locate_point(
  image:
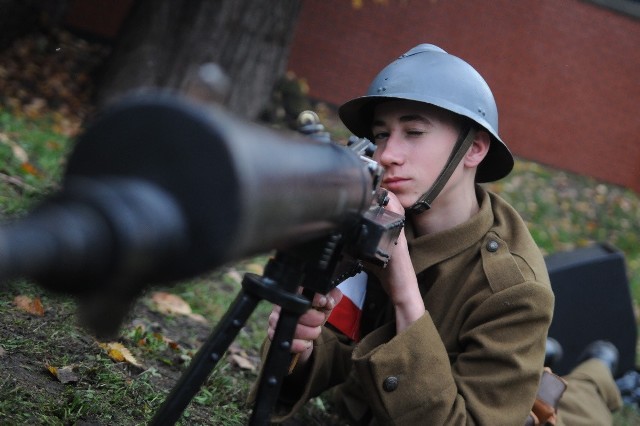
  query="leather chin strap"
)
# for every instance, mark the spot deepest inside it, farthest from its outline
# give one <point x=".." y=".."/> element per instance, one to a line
<point x="465" y="139"/>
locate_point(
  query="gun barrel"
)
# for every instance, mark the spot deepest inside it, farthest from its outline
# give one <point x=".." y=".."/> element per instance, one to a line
<point x="158" y="189"/>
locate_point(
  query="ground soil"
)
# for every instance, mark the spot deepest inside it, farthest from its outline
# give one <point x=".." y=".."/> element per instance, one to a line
<point x="29" y="343"/>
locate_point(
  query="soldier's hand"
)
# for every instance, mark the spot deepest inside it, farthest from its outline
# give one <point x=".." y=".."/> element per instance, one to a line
<point x="310" y="324"/>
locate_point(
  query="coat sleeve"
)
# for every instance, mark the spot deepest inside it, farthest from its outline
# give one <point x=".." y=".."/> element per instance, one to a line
<point x="410" y="377"/>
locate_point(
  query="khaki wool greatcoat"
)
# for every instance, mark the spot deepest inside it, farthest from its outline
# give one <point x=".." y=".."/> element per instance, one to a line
<point x="475" y="356"/>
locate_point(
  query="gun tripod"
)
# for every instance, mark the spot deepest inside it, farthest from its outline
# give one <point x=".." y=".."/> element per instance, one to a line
<point x="279" y="284"/>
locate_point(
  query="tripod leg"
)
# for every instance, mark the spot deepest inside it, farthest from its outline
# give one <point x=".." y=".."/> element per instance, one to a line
<point x="275" y="368"/>
<point x="206" y="359"/>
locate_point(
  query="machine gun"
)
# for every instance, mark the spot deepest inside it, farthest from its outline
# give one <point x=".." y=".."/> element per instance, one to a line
<point x="160" y="189"/>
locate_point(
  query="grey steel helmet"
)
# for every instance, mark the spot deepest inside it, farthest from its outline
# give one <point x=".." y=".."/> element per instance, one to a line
<point x="428" y="74"/>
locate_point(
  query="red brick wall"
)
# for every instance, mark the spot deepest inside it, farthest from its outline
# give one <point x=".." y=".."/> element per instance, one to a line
<point x="564" y="73"/>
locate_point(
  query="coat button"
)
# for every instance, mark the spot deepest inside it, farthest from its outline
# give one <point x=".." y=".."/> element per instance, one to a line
<point x="390" y="384"/>
<point x="492" y="246"/>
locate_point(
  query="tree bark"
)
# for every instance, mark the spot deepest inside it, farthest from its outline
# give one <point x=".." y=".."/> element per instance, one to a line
<point x="164" y="43"/>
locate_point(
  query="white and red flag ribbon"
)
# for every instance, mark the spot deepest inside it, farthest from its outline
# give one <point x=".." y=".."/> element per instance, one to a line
<point x="347" y="314"/>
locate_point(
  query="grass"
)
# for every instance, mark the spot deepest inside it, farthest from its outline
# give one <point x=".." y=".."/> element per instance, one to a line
<point x="31" y="397"/>
<point x="109" y="392"/>
<point x="563" y="212"/>
<point x="32" y="154"/>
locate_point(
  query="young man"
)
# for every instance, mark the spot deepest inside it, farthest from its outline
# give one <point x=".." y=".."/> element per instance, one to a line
<point x="453" y="331"/>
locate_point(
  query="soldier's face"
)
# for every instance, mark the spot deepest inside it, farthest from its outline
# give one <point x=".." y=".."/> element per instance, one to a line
<point x="414" y="141"/>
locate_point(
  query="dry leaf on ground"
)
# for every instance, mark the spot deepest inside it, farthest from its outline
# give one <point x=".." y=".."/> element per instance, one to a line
<point x="18" y="151"/>
<point x="242" y="362"/>
<point x="171" y="304"/>
<point x="64" y="374"/>
<point x="30" y="169"/>
<point x="167" y="303"/>
<point x="30" y="305"/>
<point x="119" y="353"/>
<point x="239" y="357"/>
<point x="171" y="343"/>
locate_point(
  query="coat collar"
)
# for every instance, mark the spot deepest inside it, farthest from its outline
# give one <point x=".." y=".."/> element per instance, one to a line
<point x="431" y="249"/>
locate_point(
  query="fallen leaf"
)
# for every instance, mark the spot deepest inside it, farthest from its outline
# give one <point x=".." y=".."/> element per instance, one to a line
<point x="239" y="357"/>
<point x="29" y="305"/>
<point x="64" y="374"/>
<point x="242" y="362"/>
<point x="2" y="352"/>
<point x="119" y="353"/>
<point x="168" y="303"/>
<point x="173" y="345"/>
<point x="171" y="304"/>
<point x="169" y="342"/>
<point x="30" y="169"/>
<point x="18" y="151"/>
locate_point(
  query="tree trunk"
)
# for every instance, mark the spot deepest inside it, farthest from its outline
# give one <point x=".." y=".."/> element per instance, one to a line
<point x="165" y="42"/>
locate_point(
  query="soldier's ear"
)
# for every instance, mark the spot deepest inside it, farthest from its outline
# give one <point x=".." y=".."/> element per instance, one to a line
<point x="478" y="149"/>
